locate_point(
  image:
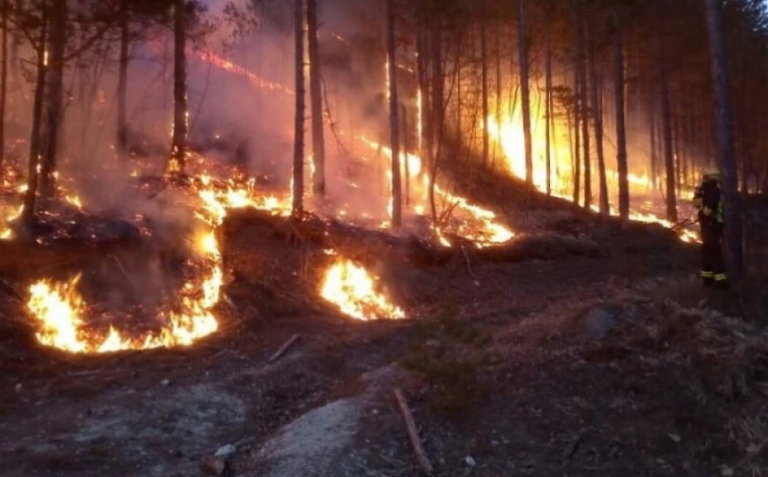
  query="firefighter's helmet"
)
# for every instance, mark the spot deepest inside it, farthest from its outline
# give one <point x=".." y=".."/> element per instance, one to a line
<point x="712" y="174"/>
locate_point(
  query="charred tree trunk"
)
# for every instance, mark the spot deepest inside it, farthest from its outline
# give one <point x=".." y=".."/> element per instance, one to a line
<point x="316" y="97"/>
<point x="668" y="140"/>
<point x="725" y="141"/>
<point x="597" y="117"/>
<point x="180" y="107"/>
<point x="394" y="109"/>
<point x="3" y="80"/>
<point x="548" y="114"/>
<point x="298" y="138"/>
<point x="30" y="198"/>
<point x="122" y="84"/>
<point x="54" y="98"/>
<point x="577" y="132"/>
<point x="621" y="131"/>
<point x="584" y="93"/>
<point x="654" y="147"/>
<point x="486" y="112"/>
<point x="497" y="149"/>
<point x="525" y="89"/>
<point x="406" y="165"/>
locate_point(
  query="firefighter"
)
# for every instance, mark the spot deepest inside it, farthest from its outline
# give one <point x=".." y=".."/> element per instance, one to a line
<point x="708" y="200"/>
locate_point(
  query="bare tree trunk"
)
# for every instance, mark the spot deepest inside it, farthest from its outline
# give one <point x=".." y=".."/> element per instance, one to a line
<point x="30" y="198"/>
<point x="486" y="112"/>
<point x="497" y="149"/>
<point x="298" y="138"/>
<point x="583" y="41"/>
<point x="597" y="117"/>
<point x="725" y="141"/>
<point x="577" y="131"/>
<point x="548" y="114"/>
<point x="669" y="156"/>
<point x="3" y="80"/>
<point x="122" y="84"/>
<point x="54" y="98"/>
<point x="654" y="147"/>
<point x="621" y="132"/>
<point x="180" y="106"/>
<point x="394" y="109"/>
<point x="437" y="113"/>
<point x="316" y="97"/>
<point x="526" y="94"/>
<point x="407" y="165"/>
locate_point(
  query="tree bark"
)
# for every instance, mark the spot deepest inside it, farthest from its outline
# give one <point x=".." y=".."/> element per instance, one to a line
<point x="298" y="138"/>
<point x="486" y="112"/>
<point x="30" y="198"/>
<point x="54" y="98"/>
<point x="180" y="107"/>
<point x="725" y="141"/>
<point x="583" y="41"/>
<point x="122" y="84"/>
<point x="3" y="80"/>
<point x="525" y="88"/>
<point x="669" y="156"/>
<point x="577" y="131"/>
<point x="394" y="109"/>
<point x="597" y="118"/>
<point x="621" y="131"/>
<point x="316" y="98"/>
<point x="548" y="114"/>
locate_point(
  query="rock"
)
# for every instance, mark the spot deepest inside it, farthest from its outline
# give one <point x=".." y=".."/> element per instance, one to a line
<point x="599" y="321"/>
<point x="726" y="471"/>
<point x="225" y="452"/>
<point x="470" y="461"/>
<point x="675" y="438"/>
<point x="165" y="382"/>
<point x="211" y="465"/>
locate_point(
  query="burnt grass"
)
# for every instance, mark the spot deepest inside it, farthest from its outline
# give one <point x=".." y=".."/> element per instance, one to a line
<point x="563" y="363"/>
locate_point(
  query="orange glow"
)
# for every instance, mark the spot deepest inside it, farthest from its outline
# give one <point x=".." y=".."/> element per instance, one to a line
<point x="353" y="290"/>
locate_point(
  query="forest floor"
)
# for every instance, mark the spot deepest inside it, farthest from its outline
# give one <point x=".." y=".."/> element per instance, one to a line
<point x="613" y="364"/>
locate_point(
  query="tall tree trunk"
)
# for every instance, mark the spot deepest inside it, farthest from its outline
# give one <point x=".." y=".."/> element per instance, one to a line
<point x="654" y="147"/>
<point x="3" y="80"/>
<point x="597" y="118"/>
<point x="407" y="163"/>
<point x="54" y="98"/>
<point x="394" y="109"/>
<point x="525" y="88"/>
<point x="583" y="42"/>
<point x="315" y="91"/>
<point x="437" y="126"/>
<point x="621" y="131"/>
<point x="548" y="113"/>
<point x="577" y="131"/>
<point x="298" y="138"/>
<point x="30" y="198"/>
<point x="486" y="112"/>
<point x="122" y="84"/>
<point x="497" y="149"/>
<point x="725" y="141"/>
<point x="180" y="106"/>
<point x="669" y="155"/>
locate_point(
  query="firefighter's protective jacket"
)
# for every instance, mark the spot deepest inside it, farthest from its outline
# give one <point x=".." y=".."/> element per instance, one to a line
<point x="708" y="200"/>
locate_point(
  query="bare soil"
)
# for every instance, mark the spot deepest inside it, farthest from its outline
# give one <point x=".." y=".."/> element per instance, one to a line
<point x="570" y="364"/>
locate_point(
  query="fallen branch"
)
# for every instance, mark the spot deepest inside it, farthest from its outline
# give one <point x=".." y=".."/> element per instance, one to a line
<point x="284" y="348"/>
<point x="413" y="434"/>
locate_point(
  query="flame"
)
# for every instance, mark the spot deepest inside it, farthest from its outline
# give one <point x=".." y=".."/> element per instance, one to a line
<point x="236" y="194"/>
<point x="352" y="289"/>
<point x="255" y="80"/>
<point x="60" y="310"/>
